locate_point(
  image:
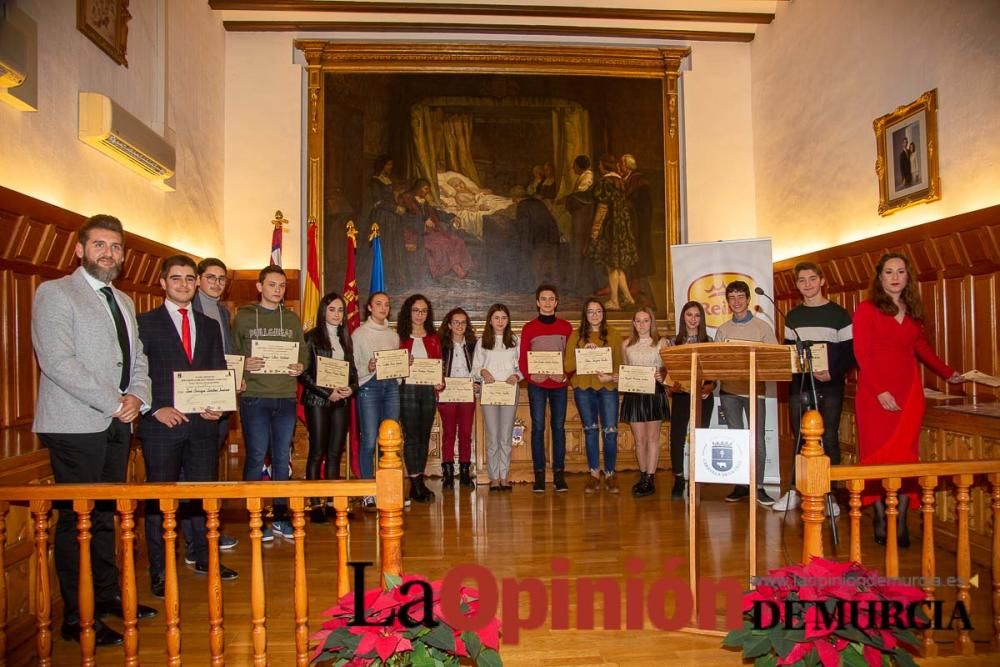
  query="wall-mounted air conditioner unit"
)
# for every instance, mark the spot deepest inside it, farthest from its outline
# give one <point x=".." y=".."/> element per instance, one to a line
<point x="124" y="138"/>
<point x="18" y="59"/>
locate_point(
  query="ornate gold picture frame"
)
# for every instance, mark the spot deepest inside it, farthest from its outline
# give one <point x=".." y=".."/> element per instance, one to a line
<point x="907" y="163"/>
<point x="105" y="23"/>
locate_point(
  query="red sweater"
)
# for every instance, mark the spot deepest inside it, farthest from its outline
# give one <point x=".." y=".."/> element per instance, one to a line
<point x="538" y="336"/>
<point x="431" y="343"/>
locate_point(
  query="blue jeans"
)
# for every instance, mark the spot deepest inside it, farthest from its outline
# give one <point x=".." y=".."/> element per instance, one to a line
<point x="537" y="397"/>
<point x="594" y="404"/>
<point x="377" y="400"/>
<point x="268" y="423"/>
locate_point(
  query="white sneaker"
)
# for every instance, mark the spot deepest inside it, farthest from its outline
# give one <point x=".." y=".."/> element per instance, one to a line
<point x="836" y="509"/>
<point x="789" y="501"/>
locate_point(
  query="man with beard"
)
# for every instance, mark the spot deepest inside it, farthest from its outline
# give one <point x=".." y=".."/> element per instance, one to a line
<point x="94" y="383"/>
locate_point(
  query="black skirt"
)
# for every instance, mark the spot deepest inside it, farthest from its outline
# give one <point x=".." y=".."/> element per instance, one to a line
<point x="645" y="407"/>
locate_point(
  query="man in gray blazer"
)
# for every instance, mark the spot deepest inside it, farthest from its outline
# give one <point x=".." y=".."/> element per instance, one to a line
<point x="93" y="385"/>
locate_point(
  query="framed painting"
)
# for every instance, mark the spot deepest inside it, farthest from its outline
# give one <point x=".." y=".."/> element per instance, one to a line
<point x="907" y="163"/>
<point x="488" y="170"/>
<point x="105" y="23"/>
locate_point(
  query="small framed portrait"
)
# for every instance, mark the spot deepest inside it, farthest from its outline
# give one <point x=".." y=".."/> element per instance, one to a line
<point x="105" y="23"/>
<point x="907" y="164"/>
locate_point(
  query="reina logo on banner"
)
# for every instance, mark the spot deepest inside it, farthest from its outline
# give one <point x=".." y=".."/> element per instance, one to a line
<point x="722" y="456"/>
<point x="710" y="291"/>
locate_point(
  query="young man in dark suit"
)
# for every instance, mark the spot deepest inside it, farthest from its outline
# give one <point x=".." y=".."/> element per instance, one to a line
<point x="178" y="339"/>
<point x="93" y="386"/>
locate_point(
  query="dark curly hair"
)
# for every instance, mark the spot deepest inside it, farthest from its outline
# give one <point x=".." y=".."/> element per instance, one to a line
<point x="444" y="332"/>
<point x="910" y="296"/>
<point x="404" y="323"/>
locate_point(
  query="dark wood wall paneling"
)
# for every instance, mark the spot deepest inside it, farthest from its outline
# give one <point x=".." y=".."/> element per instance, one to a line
<point x="957" y="263"/>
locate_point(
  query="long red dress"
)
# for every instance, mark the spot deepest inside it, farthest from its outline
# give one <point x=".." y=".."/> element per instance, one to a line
<point x="887" y="353"/>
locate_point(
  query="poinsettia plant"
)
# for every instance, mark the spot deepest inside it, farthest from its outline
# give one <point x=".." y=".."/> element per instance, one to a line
<point x="403" y="624"/>
<point x="831" y="614"/>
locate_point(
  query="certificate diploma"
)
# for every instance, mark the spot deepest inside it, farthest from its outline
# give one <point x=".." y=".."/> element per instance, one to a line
<point x="545" y="363"/>
<point x="235" y="363"/>
<point x="391" y="364"/>
<point x="820" y="358"/>
<point x="594" y="360"/>
<point x="637" y="379"/>
<point x="278" y="355"/>
<point x="982" y="378"/>
<point x="457" y="390"/>
<point x="332" y="373"/>
<point x="425" y="371"/>
<point x="498" y="393"/>
<point x="198" y="391"/>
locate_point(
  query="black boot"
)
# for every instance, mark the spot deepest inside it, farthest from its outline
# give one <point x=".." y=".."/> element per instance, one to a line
<point x="464" y="476"/>
<point x="878" y="521"/>
<point x="539" y="485"/>
<point x="902" y="530"/>
<point x="426" y="494"/>
<point x="559" y="481"/>
<point x="448" y="476"/>
<point x="678" y="491"/>
<point x="638" y="485"/>
<point x="647" y="488"/>
<point x="415" y="494"/>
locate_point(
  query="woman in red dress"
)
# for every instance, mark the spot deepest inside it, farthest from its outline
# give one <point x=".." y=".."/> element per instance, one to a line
<point x="888" y="340"/>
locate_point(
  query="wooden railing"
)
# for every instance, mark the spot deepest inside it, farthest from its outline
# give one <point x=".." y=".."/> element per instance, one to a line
<point x="814" y="476"/>
<point x="387" y="487"/>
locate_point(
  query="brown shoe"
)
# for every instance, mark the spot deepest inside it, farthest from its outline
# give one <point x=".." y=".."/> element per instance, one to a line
<point x="593" y="484"/>
<point x="611" y="483"/>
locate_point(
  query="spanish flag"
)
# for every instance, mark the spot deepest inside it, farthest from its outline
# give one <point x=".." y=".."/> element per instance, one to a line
<point x="310" y="298"/>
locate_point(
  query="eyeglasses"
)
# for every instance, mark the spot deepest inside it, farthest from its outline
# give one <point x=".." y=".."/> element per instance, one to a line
<point x="418" y="311"/>
<point x="213" y="280"/>
<point x="459" y="323"/>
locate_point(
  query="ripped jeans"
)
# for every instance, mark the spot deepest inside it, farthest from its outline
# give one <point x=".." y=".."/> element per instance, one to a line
<point x="599" y="405"/>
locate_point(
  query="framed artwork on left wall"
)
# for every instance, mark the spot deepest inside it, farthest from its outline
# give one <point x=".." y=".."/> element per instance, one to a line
<point x="105" y="23"/>
<point x="907" y="163"/>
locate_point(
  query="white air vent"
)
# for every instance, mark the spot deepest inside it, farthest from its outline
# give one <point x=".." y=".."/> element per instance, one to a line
<point x="124" y="138"/>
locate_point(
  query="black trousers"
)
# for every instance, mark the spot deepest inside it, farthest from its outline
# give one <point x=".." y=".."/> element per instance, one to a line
<point x="831" y="404"/>
<point x="680" y="415"/>
<point x="327" y="425"/>
<point x="192" y="521"/>
<point x="198" y="456"/>
<point x="87" y="458"/>
<point x="417" y="405"/>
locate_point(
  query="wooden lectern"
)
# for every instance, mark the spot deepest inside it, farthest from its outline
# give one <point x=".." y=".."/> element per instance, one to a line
<point x="755" y="362"/>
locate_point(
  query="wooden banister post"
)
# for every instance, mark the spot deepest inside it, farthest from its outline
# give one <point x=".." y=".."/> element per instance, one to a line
<point x="812" y="478"/>
<point x="963" y="559"/>
<point x="88" y="638"/>
<point x="343" y="581"/>
<point x="216" y="636"/>
<point x="300" y="590"/>
<point x="130" y="595"/>
<point x="854" y="488"/>
<point x="927" y="485"/>
<point x="171" y="596"/>
<point x="389" y="497"/>
<point x="258" y="602"/>
<point x="43" y="587"/>
<point x="892" y="486"/>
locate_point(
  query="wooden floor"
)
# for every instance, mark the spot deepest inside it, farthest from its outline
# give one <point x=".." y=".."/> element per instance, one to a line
<point x="515" y="535"/>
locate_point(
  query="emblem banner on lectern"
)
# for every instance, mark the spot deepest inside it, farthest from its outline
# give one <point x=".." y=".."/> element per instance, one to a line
<point x="722" y="456"/>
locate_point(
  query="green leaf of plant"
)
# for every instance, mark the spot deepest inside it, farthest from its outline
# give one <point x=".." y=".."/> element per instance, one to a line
<point x="908" y="637"/>
<point x="811" y="659"/>
<point x="472" y="643"/>
<point x="782" y="644"/>
<point x="489" y="658"/>
<point x="851" y="658"/>
<point x="392" y="581"/>
<point x="735" y="638"/>
<point x="903" y="658"/>
<point x="441" y="637"/>
<point x="419" y="657"/>
<point x="769" y="660"/>
<point x="756" y="647"/>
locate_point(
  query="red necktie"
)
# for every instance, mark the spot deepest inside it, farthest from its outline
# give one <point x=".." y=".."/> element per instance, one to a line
<point x="185" y="332"/>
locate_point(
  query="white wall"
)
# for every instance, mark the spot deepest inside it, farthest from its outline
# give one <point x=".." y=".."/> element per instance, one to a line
<point x="264" y="144"/>
<point x="823" y="71"/>
<point x="264" y="147"/>
<point x="41" y="155"/>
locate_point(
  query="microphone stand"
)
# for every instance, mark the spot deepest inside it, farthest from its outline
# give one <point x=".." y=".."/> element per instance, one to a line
<point x="805" y="355"/>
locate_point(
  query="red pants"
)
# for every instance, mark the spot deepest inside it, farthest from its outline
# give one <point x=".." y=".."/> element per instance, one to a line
<point x="456" y="417"/>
